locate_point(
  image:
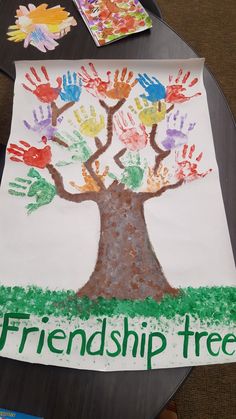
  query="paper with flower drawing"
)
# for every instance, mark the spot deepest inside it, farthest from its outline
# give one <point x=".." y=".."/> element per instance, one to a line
<point x="114" y="246"/>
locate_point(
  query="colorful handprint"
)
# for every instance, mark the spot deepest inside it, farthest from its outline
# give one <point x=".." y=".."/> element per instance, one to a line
<point x="31" y="156"/>
<point x="90" y="183"/>
<point x="157" y="179"/>
<point x="93" y="83"/>
<point x="154" y="89"/>
<point x="71" y="87"/>
<point x="122" y="87"/>
<point x="43" y="191"/>
<point x="134" y="138"/>
<point x="76" y="145"/>
<point x="133" y="173"/>
<point x="90" y="124"/>
<point x="177" y="131"/>
<point x="42" y="123"/>
<point x="149" y="114"/>
<point x="44" y="91"/>
<point x="187" y="164"/>
<point x="176" y="93"/>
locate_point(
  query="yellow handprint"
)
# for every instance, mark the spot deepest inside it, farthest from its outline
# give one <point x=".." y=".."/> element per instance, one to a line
<point x="89" y="124"/>
<point x="156" y="180"/>
<point x="90" y="183"/>
<point x="149" y="114"/>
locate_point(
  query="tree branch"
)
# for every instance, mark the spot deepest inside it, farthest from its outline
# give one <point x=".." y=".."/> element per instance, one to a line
<point x="118" y="156"/>
<point x="78" y="197"/>
<point x="110" y="110"/>
<point x="60" y="142"/>
<point x="56" y="112"/>
<point x="144" y="196"/>
<point x="162" y="154"/>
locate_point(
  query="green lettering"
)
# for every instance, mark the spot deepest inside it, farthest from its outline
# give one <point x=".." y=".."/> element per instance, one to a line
<point x="186" y="333"/>
<point x="93" y="336"/>
<point x="76" y="332"/>
<point x="118" y="345"/>
<point x="198" y="336"/>
<point x="213" y="337"/>
<point x="161" y="348"/>
<point x="229" y="338"/>
<point x="56" y="334"/>
<point x="26" y="332"/>
<point x="128" y="333"/>
<point x="6" y="327"/>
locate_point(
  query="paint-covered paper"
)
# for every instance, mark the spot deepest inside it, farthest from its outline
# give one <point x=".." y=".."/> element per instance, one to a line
<point x="108" y="21"/>
<point x="114" y="247"/>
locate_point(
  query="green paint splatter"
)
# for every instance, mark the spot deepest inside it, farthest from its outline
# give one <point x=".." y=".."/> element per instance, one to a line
<point x="41" y="189"/>
<point x="215" y="305"/>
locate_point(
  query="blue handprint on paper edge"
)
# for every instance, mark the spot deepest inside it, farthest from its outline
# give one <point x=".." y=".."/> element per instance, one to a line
<point x="154" y="89"/>
<point x="72" y="86"/>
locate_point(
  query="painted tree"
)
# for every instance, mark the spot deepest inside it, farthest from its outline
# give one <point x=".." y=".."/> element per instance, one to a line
<point x="126" y="265"/>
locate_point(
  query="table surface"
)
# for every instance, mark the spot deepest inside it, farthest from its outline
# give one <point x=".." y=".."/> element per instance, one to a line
<point x="55" y="392"/>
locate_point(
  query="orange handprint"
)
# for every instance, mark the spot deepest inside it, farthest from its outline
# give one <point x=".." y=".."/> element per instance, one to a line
<point x="43" y="90"/>
<point x="121" y="89"/>
<point x="187" y="169"/>
<point x="176" y="93"/>
<point x="31" y="156"/>
<point x="90" y="184"/>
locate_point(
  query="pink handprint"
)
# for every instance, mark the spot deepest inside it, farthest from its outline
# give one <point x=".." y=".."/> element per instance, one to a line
<point x="44" y="91"/>
<point x="31" y="156"/>
<point x="176" y="92"/>
<point x="93" y="83"/>
<point x="134" y="138"/>
<point x="187" y="165"/>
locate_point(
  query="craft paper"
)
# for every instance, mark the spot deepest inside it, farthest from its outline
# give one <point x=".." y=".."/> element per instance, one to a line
<point x="40" y="26"/>
<point x="114" y="246"/>
<point x="108" y="21"/>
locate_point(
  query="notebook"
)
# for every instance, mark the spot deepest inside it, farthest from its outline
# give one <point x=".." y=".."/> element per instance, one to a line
<point x="6" y="414"/>
<point x="109" y="20"/>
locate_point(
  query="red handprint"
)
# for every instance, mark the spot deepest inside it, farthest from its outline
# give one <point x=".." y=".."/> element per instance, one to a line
<point x="93" y="83"/>
<point x="32" y="156"/>
<point x="132" y="137"/>
<point x="175" y="93"/>
<point x="187" y="169"/>
<point x="44" y="91"/>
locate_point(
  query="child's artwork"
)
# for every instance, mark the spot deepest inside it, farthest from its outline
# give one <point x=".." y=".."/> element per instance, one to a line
<point x="109" y="20"/>
<point x="40" y="26"/>
<point x="6" y="414"/>
<point x="114" y="247"/>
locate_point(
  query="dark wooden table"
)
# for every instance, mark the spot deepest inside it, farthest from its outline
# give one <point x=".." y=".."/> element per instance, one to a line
<point x="60" y="393"/>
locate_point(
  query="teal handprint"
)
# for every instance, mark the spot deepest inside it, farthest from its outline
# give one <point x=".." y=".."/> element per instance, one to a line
<point x="72" y="85"/>
<point x="43" y="191"/>
<point x="133" y="173"/>
<point x="77" y="146"/>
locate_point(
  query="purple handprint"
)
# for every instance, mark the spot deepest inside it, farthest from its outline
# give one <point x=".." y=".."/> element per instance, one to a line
<point x="177" y="131"/>
<point x="42" y="123"/>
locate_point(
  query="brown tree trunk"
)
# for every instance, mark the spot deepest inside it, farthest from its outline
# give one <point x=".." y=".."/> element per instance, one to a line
<point x="126" y="266"/>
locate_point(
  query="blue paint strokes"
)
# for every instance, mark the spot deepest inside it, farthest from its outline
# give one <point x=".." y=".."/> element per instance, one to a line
<point x="154" y="89"/>
<point x="71" y="88"/>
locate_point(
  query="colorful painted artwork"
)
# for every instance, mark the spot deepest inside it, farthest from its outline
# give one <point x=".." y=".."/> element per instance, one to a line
<point x="109" y="20"/>
<point x="40" y="26"/>
<point x="112" y="220"/>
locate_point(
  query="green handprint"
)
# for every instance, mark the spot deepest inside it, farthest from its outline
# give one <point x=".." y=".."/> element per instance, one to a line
<point x="77" y="146"/>
<point x="133" y="173"/>
<point x="43" y="191"/>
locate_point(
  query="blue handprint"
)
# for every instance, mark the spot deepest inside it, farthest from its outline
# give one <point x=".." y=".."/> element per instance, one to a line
<point x="71" y="87"/>
<point x="154" y="89"/>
